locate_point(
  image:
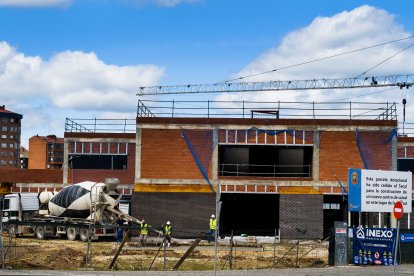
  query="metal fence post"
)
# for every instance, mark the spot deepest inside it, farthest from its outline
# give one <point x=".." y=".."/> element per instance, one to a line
<point x="172" y="110"/>
<point x="274" y="250"/>
<point x="165" y="258"/>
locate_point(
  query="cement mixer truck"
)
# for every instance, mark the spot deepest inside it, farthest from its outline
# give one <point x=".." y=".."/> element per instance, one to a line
<point x="87" y="209"/>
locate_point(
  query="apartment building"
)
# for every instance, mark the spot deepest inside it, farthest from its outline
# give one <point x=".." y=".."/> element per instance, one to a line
<point x="10" y="130"/>
<point x="45" y="152"/>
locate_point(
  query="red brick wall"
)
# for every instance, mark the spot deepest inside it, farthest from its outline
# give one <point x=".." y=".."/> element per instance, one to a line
<point x="164" y="154"/>
<point x="338" y="152"/>
<point x="402" y="149"/>
<point x="31" y="176"/>
<point x="376" y="149"/>
<point x="37" y="153"/>
<point x="125" y="176"/>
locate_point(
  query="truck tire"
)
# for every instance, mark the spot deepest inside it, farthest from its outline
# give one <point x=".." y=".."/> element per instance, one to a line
<point x="71" y="233"/>
<point x="40" y="232"/>
<point x="84" y="234"/>
<point x="12" y="230"/>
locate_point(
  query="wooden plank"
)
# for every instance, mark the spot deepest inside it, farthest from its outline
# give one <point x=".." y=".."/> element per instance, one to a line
<point x="124" y="240"/>
<point x="187" y="253"/>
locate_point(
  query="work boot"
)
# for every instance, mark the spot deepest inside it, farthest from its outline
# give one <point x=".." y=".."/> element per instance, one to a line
<point x="168" y="245"/>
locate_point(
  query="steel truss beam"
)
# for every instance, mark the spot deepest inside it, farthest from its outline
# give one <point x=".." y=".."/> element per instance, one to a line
<point x="402" y="81"/>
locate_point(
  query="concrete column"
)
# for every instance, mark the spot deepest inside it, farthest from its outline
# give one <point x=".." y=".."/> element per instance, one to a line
<point x="315" y="157"/>
<point x="214" y="158"/>
<point x="138" y="146"/>
<point x="65" y="166"/>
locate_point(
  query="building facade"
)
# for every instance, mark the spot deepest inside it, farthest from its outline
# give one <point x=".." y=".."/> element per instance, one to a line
<point x="10" y="130"/>
<point x="263" y="174"/>
<point x="273" y="174"/>
<point x="46" y="152"/>
<point x="24" y="158"/>
<point x="284" y="174"/>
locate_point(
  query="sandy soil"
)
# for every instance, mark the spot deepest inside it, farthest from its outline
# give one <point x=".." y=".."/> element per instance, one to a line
<point x="59" y="254"/>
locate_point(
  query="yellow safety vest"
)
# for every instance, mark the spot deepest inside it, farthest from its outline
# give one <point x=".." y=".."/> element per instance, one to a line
<point x="213" y="223"/>
<point x="167" y="230"/>
<point x="144" y="228"/>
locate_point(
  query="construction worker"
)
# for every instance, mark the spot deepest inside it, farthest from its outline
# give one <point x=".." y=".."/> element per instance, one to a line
<point x="167" y="233"/>
<point x="144" y="233"/>
<point x="120" y="230"/>
<point x="212" y="231"/>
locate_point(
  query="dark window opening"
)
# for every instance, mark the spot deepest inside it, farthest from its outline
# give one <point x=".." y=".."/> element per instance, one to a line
<point x="265" y="161"/>
<point x="98" y="162"/>
<point x="252" y="214"/>
<point x="405" y="165"/>
<point x="334" y="209"/>
<point x="6" y="204"/>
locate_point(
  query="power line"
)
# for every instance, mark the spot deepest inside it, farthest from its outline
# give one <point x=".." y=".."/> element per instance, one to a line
<point x="385" y="60"/>
<point x="315" y="60"/>
<point x="363" y="95"/>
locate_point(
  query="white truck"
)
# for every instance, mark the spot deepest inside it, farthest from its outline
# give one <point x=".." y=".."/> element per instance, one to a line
<point x="87" y="209"/>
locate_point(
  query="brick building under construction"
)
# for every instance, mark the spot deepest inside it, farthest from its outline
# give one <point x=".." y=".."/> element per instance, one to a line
<point x="274" y="173"/>
<point x="281" y="168"/>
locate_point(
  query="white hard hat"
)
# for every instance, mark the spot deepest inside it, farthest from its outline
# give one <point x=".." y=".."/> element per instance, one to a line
<point x="168" y="223"/>
<point x="213" y="216"/>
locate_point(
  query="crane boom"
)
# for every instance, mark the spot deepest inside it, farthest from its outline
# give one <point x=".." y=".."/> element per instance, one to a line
<point x="402" y="81"/>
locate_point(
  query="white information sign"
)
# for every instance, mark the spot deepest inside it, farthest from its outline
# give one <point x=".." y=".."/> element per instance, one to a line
<point x="379" y="190"/>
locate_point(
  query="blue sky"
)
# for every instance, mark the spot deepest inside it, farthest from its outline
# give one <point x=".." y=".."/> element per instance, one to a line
<point x="86" y="58"/>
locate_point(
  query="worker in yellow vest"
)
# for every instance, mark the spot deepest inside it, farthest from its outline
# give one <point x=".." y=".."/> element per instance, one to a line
<point x="212" y="231"/>
<point x="167" y="233"/>
<point x="144" y="233"/>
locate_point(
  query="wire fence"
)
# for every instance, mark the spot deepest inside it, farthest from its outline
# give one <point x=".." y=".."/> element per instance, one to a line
<point x="240" y="253"/>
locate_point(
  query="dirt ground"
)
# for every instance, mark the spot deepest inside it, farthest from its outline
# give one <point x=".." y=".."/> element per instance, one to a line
<point x="59" y="254"/>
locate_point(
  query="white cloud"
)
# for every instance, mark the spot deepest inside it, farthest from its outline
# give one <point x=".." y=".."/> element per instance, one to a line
<point x="327" y="36"/>
<point x="35" y="3"/>
<point x="69" y="84"/>
<point x="161" y="3"/>
<point x="74" y="80"/>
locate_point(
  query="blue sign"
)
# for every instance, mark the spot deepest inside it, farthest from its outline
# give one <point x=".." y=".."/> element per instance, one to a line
<point x="373" y="246"/>
<point x="407" y="237"/>
<point x="354" y="190"/>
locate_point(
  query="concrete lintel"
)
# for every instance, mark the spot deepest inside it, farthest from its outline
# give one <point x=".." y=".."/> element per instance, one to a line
<point x="405" y="144"/>
<point x="125" y="186"/>
<point x="102" y="139"/>
<point x="268" y="127"/>
<point x="280" y="183"/>
<point x="171" y="181"/>
<point x="40" y="185"/>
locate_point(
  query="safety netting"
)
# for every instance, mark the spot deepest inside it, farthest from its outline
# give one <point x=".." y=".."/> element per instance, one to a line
<point x="375" y="148"/>
<point x="200" y="144"/>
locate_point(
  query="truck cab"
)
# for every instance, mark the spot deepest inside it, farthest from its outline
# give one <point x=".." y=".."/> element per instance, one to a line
<point x="20" y="207"/>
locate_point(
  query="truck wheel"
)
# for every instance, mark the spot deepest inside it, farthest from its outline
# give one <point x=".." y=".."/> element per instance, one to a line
<point x="84" y="234"/>
<point x="12" y="230"/>
<point x="40" y="232"/>
<point x="71" y="233"/>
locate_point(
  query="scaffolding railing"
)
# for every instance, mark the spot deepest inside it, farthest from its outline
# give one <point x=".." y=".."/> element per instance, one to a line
<point x="240" y="170"/>
<point x="100" y="125"/>
<point x="275" y="110"/>
<point x="405" y="129"/>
